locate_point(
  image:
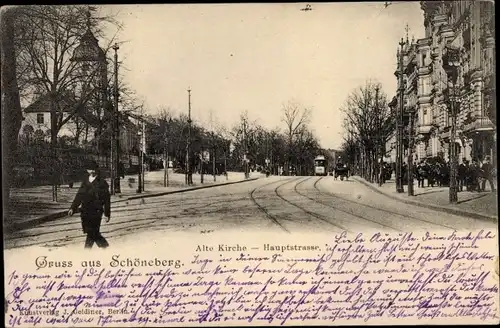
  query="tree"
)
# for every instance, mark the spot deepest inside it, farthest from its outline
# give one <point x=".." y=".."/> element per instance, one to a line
<point x="47" y="39"/>
<point x="306" y="149"/>
<point x="295" y="116"/>
<point x="369" y="124"/>
<point x="242" y="135"/>
<point x="277" y="149"/>
<point x="11" y="105"/>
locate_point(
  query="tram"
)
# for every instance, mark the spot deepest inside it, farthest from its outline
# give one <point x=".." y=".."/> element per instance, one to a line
<point x="320" y="165"/>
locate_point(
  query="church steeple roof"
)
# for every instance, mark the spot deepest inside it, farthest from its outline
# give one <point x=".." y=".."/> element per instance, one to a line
<point x="88" y="49"/>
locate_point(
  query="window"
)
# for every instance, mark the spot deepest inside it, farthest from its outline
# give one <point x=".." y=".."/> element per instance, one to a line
<point x="39" y="118"/>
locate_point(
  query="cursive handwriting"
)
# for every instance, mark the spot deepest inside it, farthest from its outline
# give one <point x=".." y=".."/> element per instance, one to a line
<point x="361" y="278"/>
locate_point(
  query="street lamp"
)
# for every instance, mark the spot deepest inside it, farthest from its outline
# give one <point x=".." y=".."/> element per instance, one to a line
<point x="139" y="157"/>
<point x="411" y="142"/>
<point x="214" y="151"/>
<point x="451" y="64"/>
<point x="189" y="175"/>
<point x="399" y="136"/>
<point x="165" y="177"/>
<point x="201" y="157"/>
<point x="116" y="131"/>
<point x="227" y="149"/>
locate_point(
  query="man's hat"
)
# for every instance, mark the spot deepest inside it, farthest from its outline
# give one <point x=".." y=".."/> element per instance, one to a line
<point x="91" y="165"/>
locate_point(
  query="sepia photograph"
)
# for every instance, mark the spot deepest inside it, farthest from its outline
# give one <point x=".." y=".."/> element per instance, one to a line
<point x="308" y="144"/>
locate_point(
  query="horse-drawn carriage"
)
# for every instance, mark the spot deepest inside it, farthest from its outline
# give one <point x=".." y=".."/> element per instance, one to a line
<point x="342" y="171"/>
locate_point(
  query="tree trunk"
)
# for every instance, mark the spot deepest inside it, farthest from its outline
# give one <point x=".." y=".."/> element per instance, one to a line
<point x="373" y="164"/>
<point x="11" y="105"/>
<point x="370" y="166"/>
<point x="53" y="145"/>
<point x="381" y="165"/>
<point x="86" y="132"/>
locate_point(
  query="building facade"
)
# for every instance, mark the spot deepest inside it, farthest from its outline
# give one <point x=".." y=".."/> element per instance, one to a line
<point x="36" y="120"/>
<point x="36" y="125"/>
<point x="391" y="144"/>
<point x="469" y="27"/>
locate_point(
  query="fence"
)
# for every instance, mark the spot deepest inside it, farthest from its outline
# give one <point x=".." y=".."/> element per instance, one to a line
<point x="35" y="164"/>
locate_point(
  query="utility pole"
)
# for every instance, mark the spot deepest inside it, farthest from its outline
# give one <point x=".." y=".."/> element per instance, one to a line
<point x="116" y="133"/>
<point x="168" y="155"/>
<point x="213" y="156"/>
<point x="139" y="164"/>
<point x="410" y="151"/>
<point x="113" y="151"/>
<point x="201" y="162"/>
<point x="399" y="136"/>
<point x="451" y="64"/>
<point x="165" y="172"/>
<point x="453" y="195"/>
<point x="143" y="154"/>
<point x="188" y="146"/>
<point x="246" y="148"/>
<point x="226" y="149"/>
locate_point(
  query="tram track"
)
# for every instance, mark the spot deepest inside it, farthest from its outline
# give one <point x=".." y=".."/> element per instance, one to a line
<point x="380" y="209"/>
<point x="274" y="219"/>
<point x="338" y="209"/>
<point x="128" y="219"/>
<point x="315" y="186"/>
<point x="75" y="239"/>
<point x="315" y="215"/>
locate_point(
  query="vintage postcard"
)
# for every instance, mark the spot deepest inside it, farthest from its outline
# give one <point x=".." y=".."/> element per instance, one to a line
<point x="244" y="164"/>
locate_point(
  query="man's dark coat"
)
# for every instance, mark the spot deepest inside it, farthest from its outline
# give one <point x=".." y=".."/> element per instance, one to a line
<point x="94" y="199"/>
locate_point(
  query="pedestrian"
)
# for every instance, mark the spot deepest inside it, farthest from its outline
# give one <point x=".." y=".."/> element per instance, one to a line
<point x="486" y="174"/>
<point x="462" y="174"/>
<point x="474" y="176"/>
<point x="405" y="173"/>
<point x="121" y="170"/>
<point x="421" y="174"/>
<point x="94" y="199"/>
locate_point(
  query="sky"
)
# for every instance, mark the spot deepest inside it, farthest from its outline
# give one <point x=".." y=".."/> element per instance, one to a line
<point x="257" y="57"/>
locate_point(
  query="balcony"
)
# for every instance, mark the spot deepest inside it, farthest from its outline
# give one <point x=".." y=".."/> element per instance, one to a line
<point x="489" y="93"/>
<point x="479" y="124"/>
<point x="425" y="128"/>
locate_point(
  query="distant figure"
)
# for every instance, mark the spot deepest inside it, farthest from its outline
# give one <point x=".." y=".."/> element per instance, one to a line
<point x="486" y="174"/>
<point x="462" y="175"/>
<point x="121" y="170"/>
<point x="421" y="172"/>
<point x="474" y="176"/>
<point x="94" y="198"/>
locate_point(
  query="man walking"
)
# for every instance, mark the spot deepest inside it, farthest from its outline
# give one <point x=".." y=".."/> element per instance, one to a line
<point x="421" y="174"/>
<point x="94" y="198"/>
<point x="486" y="173"/>
<point x="462" y="175"/>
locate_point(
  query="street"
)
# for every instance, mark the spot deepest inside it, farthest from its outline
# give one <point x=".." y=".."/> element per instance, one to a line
<point x="274" y="204"/>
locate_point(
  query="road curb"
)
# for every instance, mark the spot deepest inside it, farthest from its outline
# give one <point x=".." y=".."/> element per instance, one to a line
<point x="58" y="215"/>
<point x="439" y="208"/>
<point x="183" y="190"/>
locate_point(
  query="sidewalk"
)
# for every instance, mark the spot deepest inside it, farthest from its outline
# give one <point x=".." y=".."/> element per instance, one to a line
<point x="30" y="205"/>
<point x="470" y="204"/>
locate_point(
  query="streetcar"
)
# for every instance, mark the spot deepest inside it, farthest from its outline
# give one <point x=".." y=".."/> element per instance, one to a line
<point x="320" y="165"/>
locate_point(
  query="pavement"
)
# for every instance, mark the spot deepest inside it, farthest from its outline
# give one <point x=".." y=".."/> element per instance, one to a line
<point x="34" y="205"/>
<point x="481" y="205"/>
<point x="285" y="205"/>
